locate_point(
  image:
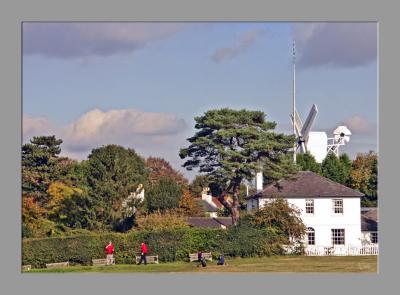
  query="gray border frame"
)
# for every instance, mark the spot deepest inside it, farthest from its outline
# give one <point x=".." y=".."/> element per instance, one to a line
<point x="206" y="10"/>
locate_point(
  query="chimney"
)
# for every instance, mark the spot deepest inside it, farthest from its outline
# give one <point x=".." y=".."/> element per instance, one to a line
<point x="259" y="181"/>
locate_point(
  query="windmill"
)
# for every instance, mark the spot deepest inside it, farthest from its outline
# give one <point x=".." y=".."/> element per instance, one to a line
<point x="302" y="132"/>
<point x="316" y="143"/>
<point x="341" y="135"/>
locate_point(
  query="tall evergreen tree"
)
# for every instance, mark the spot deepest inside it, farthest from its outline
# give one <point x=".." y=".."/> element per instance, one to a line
<point x="307" y="162"/>
<point x="230" y="146"/>
<point x="39" y="162"/>
<point x="332" y="169"/>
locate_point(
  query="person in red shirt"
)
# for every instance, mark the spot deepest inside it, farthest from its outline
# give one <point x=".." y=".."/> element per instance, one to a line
<point x="110" y="253"/>
<point x="143" y="250"/>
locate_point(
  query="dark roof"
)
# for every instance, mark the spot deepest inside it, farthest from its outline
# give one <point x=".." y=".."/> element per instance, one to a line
<point x="217" y="202"/>
<point x="306" y="184"/>
<point x="369" y="219"/>
<point x="209" y="222"/>
<point x="208" y="207"/>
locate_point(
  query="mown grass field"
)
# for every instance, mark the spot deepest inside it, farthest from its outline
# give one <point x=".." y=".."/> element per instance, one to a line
<point x="276" y="264"/>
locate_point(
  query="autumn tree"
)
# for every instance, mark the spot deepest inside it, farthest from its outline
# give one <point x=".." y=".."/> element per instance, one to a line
<point x="158" y="168"/>
<point x="229" y="146"/>
<point x="281" y="216"/>
<point x="188" y="206"/>
<point x="364" y="177"/>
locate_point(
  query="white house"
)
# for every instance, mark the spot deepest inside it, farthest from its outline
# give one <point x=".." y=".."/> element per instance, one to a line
<point x="369" y="226"/>
<point x="330" y="211"/>
<point x="211" y="204"/>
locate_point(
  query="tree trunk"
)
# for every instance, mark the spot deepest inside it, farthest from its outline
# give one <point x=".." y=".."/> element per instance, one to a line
<point x="235" y="205"/>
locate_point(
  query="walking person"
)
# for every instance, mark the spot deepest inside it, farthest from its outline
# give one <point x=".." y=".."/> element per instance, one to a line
<point x="143" y="250"/>
<point x="110" y="253"/>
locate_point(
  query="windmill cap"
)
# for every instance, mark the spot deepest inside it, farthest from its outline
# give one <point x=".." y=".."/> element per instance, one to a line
<point x="342" y="131"/>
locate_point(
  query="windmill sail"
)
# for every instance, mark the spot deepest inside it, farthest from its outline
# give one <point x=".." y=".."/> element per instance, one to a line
<point x="309" y="122"/>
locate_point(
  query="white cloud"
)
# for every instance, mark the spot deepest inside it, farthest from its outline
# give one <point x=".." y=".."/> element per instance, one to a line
<point x="335" y="44"/>
<point x="126" y="126"/>
<point x="360" y="124"/>
<point x="34" y="126"/>
<point x="246" y="40"/>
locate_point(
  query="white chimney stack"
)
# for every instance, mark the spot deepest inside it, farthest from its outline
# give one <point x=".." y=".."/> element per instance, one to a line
<point x="259" y="181"/>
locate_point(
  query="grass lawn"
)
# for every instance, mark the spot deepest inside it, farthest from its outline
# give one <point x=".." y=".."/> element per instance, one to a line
<point x="256" y="264"/>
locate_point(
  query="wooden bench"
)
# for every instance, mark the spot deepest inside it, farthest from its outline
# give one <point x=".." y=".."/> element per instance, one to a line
<point x="194" y="256"/>
<point x="27" y="267"/>
<point x="150" y="259"/>
<point x="101" y="262"/>
<point x="57" y="265"/>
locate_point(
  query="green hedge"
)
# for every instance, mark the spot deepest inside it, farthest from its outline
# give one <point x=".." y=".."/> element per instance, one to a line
<point x="169" y="245"/>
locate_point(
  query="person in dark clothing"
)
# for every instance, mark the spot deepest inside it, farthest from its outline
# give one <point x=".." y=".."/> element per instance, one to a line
<point x="201" y="259"/>
<point x="143" y="250"/>
<point x="221" y="260"/>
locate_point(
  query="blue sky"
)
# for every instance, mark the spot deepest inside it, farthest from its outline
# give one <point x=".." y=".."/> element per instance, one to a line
<point x="141" y="84"/>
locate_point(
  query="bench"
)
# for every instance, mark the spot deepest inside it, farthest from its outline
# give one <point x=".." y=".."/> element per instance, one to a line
<point x="101" y="262"/>
<point x="150" y="259"/>
<point x="27" y="267"/>
<point x="57" y="265"/>
<point x="194" y="256"/>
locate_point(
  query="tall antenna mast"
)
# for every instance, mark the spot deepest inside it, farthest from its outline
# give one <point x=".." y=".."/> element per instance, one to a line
<point x="294" y="99"/>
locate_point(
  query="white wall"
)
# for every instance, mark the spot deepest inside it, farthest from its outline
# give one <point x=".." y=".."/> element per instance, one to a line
<point x="323" y="219"/>
<point x="317" y="145"/>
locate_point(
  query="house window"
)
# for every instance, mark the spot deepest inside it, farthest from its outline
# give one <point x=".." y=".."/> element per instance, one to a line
<point x="374" y="237"/>
<point x="310" y="206"/>
<point x="310" y="236"/>
<point x="338" y="236"/>
<point x="337" y="206"/>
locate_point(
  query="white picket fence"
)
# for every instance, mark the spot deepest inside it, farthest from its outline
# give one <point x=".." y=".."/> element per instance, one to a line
<point x="338" y="250"/>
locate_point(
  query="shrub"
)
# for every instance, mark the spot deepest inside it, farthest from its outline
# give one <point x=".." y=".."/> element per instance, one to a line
<point x="158" y="220"/>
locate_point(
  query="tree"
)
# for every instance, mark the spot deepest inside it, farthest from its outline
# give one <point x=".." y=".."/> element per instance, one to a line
<point x="346" y="165"/>
<point x="364" y="177"/>
<point x="188" y="206"/>
<point x="59" y="192"/>
<point x="281" y="216"/>
<point x="161" y="168"/>
<point x="39" y="159"/>
<point x="163" y="195"/>
<point x="76" y="211"/>
<point x="112" y="173"/>
<point x="336" y="169"/>
<point x="230" y="147"/>
<point x="198" y="184"/>
<point x="307" y="162"/>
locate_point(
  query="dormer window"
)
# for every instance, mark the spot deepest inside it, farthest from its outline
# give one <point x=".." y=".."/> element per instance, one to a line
<point x="310" y="206"/>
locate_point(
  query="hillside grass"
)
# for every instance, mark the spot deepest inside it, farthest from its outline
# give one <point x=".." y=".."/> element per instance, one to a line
<point x="274" y="264"/>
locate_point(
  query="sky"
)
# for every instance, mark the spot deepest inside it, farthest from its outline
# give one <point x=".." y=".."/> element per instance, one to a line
<point x="140" y="85"/>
